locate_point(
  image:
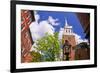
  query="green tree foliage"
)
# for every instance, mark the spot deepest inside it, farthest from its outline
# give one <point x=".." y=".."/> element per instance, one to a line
<point x="49" y="47"/>
<point x="36" y="56"/>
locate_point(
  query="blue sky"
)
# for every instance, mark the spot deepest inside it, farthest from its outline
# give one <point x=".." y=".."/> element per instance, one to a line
<point x="61" y="16"/>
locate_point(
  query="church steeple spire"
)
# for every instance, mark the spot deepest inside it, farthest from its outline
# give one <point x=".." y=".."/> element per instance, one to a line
<point x="66" y="23"/>
<point x="67" y="29"/>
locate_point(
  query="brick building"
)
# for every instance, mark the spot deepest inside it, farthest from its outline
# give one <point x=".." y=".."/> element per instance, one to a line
<point x="69" y="42"/>
<point x="27" y="17"/>
<point x="82" y="51"/>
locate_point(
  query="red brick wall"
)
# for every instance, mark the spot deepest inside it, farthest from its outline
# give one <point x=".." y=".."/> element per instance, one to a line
<point x="82" y="54"/>
<point x="26" y="19"/>
<point x="71" y="40"/>
<point x="26" y="39"/>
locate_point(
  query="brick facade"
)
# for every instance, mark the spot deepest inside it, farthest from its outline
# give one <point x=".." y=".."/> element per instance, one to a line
<point x="72" y="41"/>
<point x="69" y="42"/>
<point x="26" y="40"/>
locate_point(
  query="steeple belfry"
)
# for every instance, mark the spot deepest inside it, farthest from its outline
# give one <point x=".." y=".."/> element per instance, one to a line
<point x="67" y="29"/>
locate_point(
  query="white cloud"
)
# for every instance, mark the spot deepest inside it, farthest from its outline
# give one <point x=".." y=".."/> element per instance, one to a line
<point x="53" y="21"/>
<point x="34" y="30"/>
<point x="38" y="30"/>
<point x="79" y="39"/>
<point x="46" y="27"/>
<point x="61" y="33"/>
<point x="37" y="17"/>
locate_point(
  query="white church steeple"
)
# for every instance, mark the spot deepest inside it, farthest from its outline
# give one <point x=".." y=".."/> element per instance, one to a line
<point x="66" y="24"/>
<point x="67" y="29"/>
